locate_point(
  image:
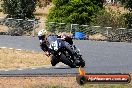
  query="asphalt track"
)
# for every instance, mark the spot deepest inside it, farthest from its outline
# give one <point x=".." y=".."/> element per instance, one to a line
<point x="100" y="56"/>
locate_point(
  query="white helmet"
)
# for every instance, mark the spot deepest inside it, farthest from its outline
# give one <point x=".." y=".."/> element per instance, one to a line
<point x="42" y="32"/>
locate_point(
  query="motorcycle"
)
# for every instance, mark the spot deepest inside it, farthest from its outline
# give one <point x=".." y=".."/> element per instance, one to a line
<point x="62" y="51"/>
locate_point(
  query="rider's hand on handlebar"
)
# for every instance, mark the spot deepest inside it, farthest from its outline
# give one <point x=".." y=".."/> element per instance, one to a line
<point x="47" y="53"/>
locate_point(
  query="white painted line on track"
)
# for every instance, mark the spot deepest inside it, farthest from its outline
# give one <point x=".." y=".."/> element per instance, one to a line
<point x="58" y="66"/>
<point x="3" y="47"/>
<point x="19" y="49"/>
<point x="10" y="48"/>
<point x="19" y="69"/>
<point x="6" y="70"/>
<point x="33" y="68"/>
<point x="48" y="67"/>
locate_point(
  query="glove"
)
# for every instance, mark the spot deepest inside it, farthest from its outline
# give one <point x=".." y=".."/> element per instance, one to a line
<point x="47" y="53"/>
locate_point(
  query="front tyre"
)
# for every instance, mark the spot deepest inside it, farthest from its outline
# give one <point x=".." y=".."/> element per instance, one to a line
<point x="67" y="61"/>
<point x="54" y="60"/>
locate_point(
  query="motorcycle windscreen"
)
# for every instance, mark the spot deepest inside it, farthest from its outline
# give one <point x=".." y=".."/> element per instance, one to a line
<point x="51" y="39"/>
<point x="54" y="42"/>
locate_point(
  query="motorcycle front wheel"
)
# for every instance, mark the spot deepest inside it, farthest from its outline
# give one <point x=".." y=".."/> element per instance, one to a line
<point x="67" y="61"/>
<point x="54" y="60"/>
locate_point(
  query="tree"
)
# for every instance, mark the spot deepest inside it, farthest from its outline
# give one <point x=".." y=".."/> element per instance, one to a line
<point x="74" y="11"/>
<point x="19" y="8"/>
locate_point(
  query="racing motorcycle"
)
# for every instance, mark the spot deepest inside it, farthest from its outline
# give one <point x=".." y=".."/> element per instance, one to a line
<point x="62" y="51"/>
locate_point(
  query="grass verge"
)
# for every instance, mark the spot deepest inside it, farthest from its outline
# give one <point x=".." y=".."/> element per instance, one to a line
<point x="52" y="82"/>
<point x="12" y="58"/>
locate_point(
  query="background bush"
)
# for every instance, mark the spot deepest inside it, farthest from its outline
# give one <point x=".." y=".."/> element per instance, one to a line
<point x="110" y="19"/>
<point x="128" y="19"/>
<point x="74" y="11"/>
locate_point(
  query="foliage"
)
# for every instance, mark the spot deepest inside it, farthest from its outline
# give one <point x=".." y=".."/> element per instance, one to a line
<point x="128" y="19"/>
<point x="128" y="16"/>
<point x="118" y="22"/>
<point x="127" y="4"/>
<point x="43" y="3"/>
<point x="19" y="8"/>
<point x="74" y="11"/>
<point x="110" y="18"/>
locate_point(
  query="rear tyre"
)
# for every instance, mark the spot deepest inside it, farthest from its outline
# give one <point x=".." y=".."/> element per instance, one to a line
<point x="67" y="61"/>
<point x="54" y="60"/>
<point x="80" y="63"/>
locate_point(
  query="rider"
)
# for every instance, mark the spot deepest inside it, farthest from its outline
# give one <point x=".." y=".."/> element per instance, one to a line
<point x="43" y="34"/>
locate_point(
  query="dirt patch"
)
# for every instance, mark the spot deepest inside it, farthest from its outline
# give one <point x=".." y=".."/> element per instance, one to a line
<point x="44" y="10"/>
<point x="2" y="14"/>
<point x="117" y="8"/>
<point x="3" y="28"/>
<point x="97" y="37"/>
<point x="38" y="82"/>
<point x="41" y="14"/>
<point x="12" y="58"/>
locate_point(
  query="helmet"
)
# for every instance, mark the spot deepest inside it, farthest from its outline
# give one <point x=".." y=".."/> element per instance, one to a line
<point x="42" y="32"/>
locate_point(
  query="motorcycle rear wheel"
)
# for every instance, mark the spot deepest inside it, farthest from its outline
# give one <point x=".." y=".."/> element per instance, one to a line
<point x="79" y="62"/>
<point x="82" y="63"/>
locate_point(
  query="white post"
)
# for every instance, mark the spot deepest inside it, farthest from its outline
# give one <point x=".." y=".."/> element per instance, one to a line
<point x="121" y="30"/>
<point x="34" y="29"/>
<point x="53" y="30"/>
<point x="71" y="30"/>
<point x="107" y="31"/>
<point x="62" y="29"/>
<point x="33" y="32"/>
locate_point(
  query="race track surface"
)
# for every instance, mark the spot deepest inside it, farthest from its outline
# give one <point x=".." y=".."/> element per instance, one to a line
<point x="100" y="56"/>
